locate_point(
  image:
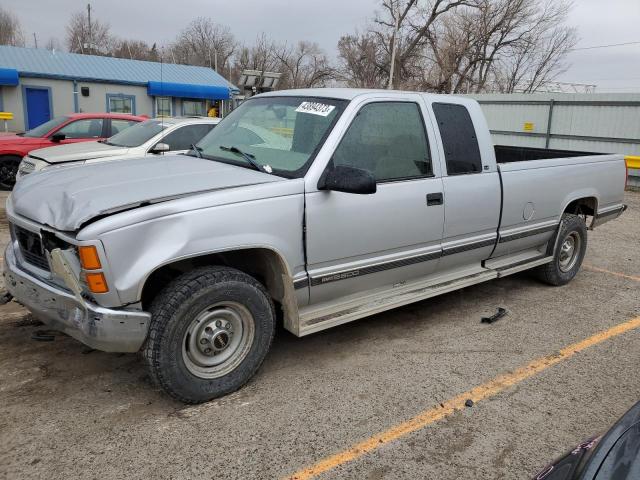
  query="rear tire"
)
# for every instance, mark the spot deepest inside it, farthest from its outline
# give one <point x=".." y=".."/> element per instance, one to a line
<point x="210" y="331"/>
<point x="8" y="170"/>
<point x="570" y="248"/>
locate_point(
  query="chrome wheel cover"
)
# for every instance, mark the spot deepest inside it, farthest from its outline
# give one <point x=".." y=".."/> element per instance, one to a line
<point x="218" y="340"/>
<point x="569" y="252"/>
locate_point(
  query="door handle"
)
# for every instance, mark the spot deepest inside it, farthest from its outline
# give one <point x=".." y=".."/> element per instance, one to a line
<point x="434" y="199"/>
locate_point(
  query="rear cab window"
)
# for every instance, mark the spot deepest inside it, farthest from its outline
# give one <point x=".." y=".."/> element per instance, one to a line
<point x="459" y="140"/>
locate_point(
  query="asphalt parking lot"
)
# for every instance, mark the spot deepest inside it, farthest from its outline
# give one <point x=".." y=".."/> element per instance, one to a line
<point x="375" y="399"/>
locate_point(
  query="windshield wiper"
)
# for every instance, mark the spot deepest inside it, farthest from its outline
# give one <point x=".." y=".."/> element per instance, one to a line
<point x="196" y="150"/>
<point x="248" y="157"/>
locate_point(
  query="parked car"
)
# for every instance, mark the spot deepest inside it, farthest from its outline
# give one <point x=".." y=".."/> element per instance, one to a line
<point x="67" y="129"/>
<point x="152" y="137"/>
<point x="612" y="456"/>
<point x="382" y="199"/>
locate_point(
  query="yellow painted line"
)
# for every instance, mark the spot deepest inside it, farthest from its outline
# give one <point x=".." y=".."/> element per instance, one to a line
<point x="482" y="392"/>
<point x="609" y="272"/>
<point x="633" y="162"/>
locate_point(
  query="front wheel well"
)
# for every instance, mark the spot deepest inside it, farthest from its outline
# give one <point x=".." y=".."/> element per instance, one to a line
<point x="263" y="264"/>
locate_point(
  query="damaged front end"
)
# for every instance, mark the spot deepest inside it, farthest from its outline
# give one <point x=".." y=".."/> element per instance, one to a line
<point x="43" y="272"/>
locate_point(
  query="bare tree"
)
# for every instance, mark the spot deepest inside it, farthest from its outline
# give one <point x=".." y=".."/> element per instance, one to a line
<point x="461" y="46"/>
<point x="262" y="55"/>
<point x="206" y="43"/>
<point x="539" y="56"/>
<point x="89" y="38"/>
<point x="10" y="29"/>
<point x="360" y="58"/>
<point x="414" y="21"/>
<point x="135" y="50"/>
<point x="304" y="66"/>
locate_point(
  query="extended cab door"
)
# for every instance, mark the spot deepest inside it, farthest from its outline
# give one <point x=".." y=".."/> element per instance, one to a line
<point x="357" y="243"/>
<point x="471" y="185"/>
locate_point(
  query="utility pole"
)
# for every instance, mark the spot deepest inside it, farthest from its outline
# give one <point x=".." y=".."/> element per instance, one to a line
<point x="89" y="20"/>
<point x="35" y="40"/>
<point x="394" y="47"/>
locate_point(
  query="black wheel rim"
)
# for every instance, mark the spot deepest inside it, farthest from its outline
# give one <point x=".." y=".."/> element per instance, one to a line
<point x="8" y="172"/>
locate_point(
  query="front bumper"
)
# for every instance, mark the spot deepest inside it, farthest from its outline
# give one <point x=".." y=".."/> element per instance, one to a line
<point x="100" y="328"/>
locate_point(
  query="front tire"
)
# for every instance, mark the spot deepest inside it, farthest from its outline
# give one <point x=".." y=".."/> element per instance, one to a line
<point x="570" y="249"/>
<point x="210" y="331"/>
<point x="8" y="170"/>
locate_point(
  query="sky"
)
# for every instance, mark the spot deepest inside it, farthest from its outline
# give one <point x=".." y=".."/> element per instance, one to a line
<point x="599" y="22"/>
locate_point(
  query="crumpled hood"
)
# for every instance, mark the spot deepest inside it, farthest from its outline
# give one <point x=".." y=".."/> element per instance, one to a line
<point x="74" y="152"/>
<point x="67" y="198"/>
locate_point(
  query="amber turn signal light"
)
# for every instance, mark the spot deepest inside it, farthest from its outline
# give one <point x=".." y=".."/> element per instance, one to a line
<point x="97" y="283"/>
<point x="89" y="258"/>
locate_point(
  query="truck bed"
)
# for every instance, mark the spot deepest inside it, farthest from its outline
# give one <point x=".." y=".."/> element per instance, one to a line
<point x="509" y="153"/>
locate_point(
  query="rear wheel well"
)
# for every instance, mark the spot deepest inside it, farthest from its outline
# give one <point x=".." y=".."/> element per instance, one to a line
<point x="587" y="206"/>
<point x="263" y="264"/>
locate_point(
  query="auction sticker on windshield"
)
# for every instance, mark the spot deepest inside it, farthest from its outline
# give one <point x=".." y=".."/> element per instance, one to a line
<point x="315" y="108"/>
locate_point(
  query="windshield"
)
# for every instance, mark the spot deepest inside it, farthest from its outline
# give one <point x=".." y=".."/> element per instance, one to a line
<point x="46" y="127"/>
<point x="137" y="135"/>
<point x="282" y="134"/>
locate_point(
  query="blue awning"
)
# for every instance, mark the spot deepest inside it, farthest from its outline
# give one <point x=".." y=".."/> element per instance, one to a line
<point x="185" y="90"/>
<point x="8" y="76"/>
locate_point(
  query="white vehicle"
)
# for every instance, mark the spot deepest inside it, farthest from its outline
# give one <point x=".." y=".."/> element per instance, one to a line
<point x="152" y="137"/>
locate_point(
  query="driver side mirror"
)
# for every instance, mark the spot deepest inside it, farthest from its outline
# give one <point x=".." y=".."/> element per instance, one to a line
<point x="58" y="137"/>
<point x="346" y="179"/>
<point x="160" y="148"/>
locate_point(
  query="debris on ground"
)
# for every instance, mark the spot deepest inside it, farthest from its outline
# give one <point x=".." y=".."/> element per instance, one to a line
<point x="43" y="336"/>
<point x="496" y="316"/>
<point x="469" y="403"/>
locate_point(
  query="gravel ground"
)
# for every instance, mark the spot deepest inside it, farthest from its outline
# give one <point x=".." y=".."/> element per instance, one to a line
<point x="69" y="412"/>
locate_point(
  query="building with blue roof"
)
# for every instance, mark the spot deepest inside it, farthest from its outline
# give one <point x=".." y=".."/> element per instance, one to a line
<point x="38" y="84"/>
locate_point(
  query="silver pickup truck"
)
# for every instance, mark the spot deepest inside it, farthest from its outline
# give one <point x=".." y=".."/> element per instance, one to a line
<point x="358" y="201"/>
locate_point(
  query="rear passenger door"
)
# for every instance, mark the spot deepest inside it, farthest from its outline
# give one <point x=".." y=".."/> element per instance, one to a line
<point x="472" y="190"/>
<point x="357" y="243"/>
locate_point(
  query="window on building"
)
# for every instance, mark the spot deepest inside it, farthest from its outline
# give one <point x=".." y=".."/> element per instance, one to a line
<point x="388" y="139"/>
<point x="184" y="137"/>
<point x="193" y="108"/>
<point x="459" y="140"/>
<point x="85" y="128"/>
<point x="121" y="103"/>
<point x="163" y="106"/>
<point x="118" y="125"/>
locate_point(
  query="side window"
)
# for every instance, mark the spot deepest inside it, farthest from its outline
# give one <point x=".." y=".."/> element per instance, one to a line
<point x="183" y="137"/>
<point x="119" y="125"/>
<point x="87" y="128"/>
<point x="389" y="140"/>
<point x="459" y="139"/>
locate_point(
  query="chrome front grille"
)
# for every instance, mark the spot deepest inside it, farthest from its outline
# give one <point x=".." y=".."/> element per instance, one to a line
<point x="31" y="248"/>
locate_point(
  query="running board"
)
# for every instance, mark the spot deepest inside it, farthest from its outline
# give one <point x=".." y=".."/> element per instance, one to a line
<point x="519" y="267"/>
<point x="319" y="318"/>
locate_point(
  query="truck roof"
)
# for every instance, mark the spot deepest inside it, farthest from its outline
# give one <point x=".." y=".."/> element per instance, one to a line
<point x="351" y="93"/>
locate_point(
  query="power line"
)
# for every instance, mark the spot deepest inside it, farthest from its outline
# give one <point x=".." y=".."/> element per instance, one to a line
<point x="605" y="46"/>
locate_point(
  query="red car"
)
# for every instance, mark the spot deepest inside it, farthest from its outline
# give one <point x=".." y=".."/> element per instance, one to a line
<point x="72" y="128"/>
